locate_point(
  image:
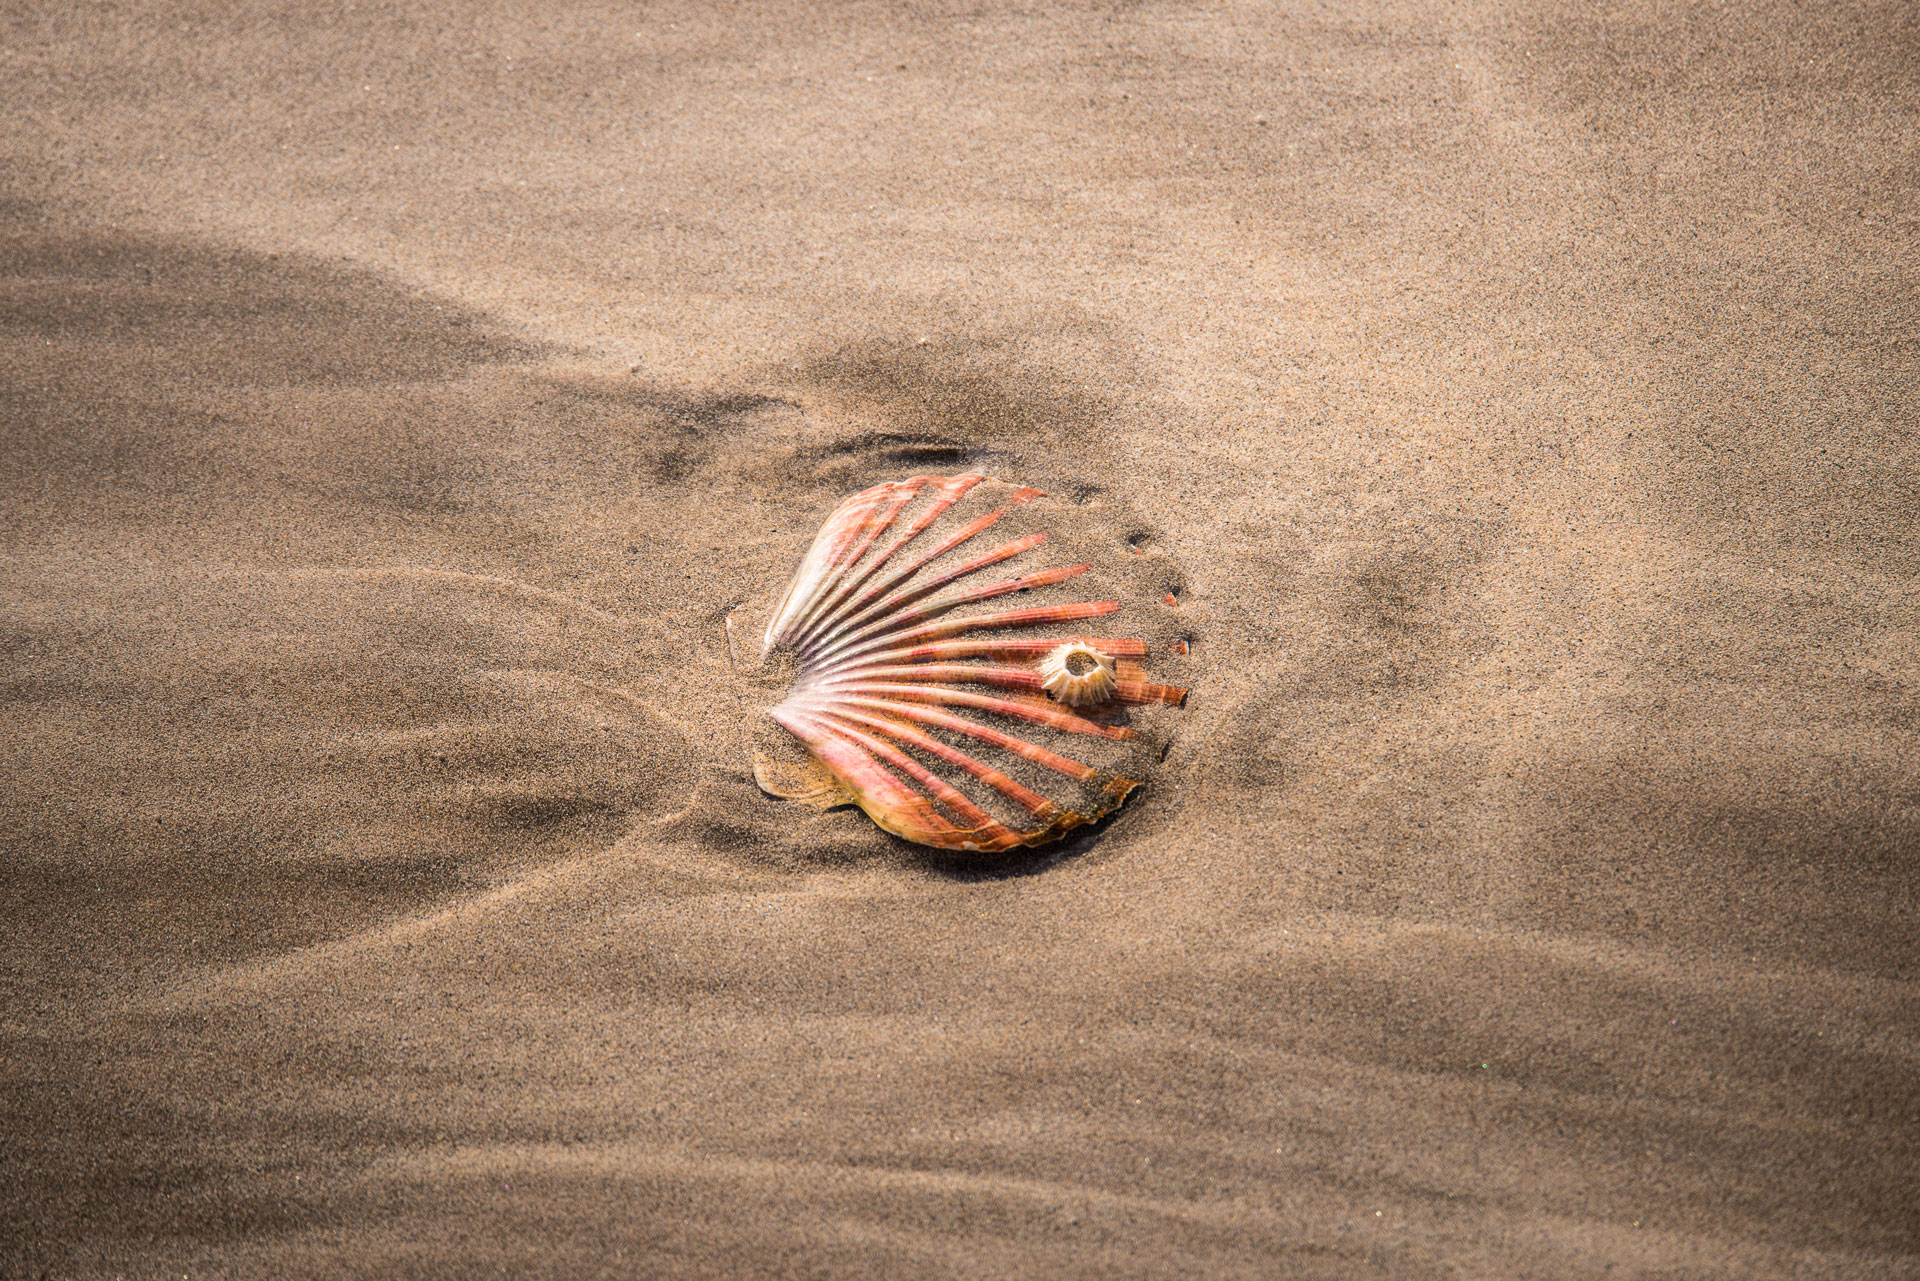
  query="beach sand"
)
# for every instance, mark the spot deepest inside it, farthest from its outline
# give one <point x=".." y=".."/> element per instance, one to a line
<point x="1521" y="401"/>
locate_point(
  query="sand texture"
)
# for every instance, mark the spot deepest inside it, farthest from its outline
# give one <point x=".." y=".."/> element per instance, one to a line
<point x="396" y="401"/>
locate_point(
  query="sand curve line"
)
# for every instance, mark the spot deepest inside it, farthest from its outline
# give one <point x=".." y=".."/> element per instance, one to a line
<point x="486" y="1160"/>
<point x="1853" y="1007"/>
<point x="513" y="585"/>
<point x="1353" y="1232"/>
<point x="254" y="974"/>
<point x="534" y="675"/>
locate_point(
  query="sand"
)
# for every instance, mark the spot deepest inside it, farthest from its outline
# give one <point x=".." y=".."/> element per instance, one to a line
<point x="398" y="399"/>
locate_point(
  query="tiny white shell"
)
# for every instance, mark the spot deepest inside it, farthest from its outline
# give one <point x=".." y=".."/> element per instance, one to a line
<point x="1078" y="675"/>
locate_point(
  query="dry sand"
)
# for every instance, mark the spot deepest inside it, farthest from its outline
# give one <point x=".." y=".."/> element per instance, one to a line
<point x="397" y="399"/>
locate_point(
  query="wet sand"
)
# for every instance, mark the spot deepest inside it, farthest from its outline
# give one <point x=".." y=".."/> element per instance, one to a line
<point x="1520" y="403"/>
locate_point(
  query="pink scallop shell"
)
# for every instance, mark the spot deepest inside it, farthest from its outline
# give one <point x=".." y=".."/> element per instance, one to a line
<point x="929" y="714"/>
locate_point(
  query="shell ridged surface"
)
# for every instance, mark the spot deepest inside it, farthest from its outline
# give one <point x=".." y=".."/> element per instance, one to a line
<point x="919" y="685"/>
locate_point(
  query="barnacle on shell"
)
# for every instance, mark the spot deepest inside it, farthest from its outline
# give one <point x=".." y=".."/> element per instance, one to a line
<point x="935" y="717"/>
<point x="1077" y="674"/>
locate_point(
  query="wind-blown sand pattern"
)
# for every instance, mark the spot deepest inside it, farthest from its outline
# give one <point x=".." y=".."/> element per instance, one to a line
<point x="403" y="407"/>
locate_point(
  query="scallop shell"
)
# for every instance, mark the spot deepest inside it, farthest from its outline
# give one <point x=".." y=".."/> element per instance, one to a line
<point x="922" y="703"/>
